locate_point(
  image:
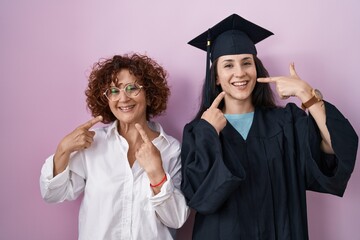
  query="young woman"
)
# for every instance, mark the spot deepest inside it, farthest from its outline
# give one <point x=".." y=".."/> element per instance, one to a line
<point x="129" y="170"/>
<point x="247" y="163"/>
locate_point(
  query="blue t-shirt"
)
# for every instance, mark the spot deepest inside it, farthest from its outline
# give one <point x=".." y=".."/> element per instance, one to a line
<point x="241" y="122"/>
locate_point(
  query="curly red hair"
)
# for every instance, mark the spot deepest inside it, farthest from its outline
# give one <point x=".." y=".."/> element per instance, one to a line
<point x="152" y="76"/>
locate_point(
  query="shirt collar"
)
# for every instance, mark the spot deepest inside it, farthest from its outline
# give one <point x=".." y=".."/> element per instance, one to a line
<point x="112" y="128"/>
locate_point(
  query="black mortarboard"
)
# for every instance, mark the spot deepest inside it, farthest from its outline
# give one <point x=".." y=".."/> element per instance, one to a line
<point x="233" y="35"/>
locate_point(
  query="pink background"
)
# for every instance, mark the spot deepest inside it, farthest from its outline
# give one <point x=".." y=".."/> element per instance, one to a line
<point x="48" y="47"/>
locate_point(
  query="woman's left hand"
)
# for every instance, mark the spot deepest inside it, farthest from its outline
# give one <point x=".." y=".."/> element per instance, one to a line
<point x="289" y="86"/>
<point x="148" y="156"/>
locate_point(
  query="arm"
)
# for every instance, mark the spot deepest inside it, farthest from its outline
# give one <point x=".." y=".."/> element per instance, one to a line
<point x="65" y="186"/>
<point x="318" y="112"/>
<point x="330" y="173"/>
<point x="293" y="86"/>
<point x="328" y="143"/>
<point x="57" y="181"/>
<point x="79" y="139"/>
<point x="207" y="181"/>
<point x="169" y="204"/>
<point x="157" y="162"/>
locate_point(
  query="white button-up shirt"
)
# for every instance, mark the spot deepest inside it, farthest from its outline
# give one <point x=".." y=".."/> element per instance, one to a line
<point x="118" y="201"/>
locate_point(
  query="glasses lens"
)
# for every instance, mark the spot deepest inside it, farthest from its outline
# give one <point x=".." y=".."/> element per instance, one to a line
<point x="113" y="93"/>
<point x="132" y="89"/>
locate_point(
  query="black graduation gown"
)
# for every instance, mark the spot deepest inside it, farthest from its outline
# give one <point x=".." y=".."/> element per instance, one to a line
<point x="256" y="189"/>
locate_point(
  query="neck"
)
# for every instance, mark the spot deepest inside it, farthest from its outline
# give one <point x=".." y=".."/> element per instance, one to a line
<point x="238" y="107"/>
<point x="131" y="134"/>
<point x="128" y="131"/>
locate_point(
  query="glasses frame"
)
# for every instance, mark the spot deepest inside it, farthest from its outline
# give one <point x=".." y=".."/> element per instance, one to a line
<point x="123" y="89"/>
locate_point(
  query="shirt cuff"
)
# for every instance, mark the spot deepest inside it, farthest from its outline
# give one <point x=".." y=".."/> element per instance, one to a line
<point x="165" y="192"/>
<point x="47" y="173"/>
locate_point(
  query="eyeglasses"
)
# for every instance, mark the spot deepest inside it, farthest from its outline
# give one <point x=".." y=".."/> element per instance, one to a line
<point x="131" y="90"/>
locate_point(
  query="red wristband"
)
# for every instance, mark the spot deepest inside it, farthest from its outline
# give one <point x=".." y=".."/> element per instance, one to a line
<point x="161" y="182"/>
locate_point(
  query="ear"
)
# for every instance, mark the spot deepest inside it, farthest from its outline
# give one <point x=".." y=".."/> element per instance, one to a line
<point x="217" y="81"/>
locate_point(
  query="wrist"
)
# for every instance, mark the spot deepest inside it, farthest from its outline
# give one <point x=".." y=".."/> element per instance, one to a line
<point x="305" y="93"/>
<point x="316" y="97"/>
<point x="156" y="175"/>
<point x="158" y="183"/>
<point x="62" y="149"/>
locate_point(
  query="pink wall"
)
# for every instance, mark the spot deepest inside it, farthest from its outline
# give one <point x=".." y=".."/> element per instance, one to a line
<point x="47" y="49"/>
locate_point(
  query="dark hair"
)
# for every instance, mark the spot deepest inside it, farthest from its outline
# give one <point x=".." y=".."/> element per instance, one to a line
<point x="152" y="76"/>
<point x="262" y="95"/>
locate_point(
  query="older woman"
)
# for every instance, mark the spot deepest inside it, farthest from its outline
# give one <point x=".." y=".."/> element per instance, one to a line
<point x="129" y="170"/>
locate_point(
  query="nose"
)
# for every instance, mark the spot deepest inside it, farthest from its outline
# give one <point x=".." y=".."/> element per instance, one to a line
<point x="122" y="96"/>
<point x="239" y="72"/>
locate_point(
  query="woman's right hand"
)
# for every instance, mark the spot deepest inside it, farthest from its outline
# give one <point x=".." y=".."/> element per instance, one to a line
<point x="79" y="139"/>
<point x="215" y="116"/>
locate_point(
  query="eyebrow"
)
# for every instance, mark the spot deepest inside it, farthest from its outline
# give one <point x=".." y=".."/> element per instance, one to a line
<point x="117" y="84"/>
<point x="232" y="60"/>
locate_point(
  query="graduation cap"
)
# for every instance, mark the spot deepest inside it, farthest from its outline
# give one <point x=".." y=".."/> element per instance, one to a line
<point x="233" y="35"/>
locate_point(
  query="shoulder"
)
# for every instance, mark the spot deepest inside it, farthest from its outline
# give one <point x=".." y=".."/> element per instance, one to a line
<point x="171" y="140"/>
<point x="198" y="124"/>
<point x="288" y="112"/>
<point x="104" y="131"/>
<point x="158" y="128"/>
<point x="199" y="129"/>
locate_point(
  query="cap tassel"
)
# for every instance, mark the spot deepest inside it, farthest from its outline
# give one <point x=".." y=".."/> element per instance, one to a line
<point x="207" y="74"/>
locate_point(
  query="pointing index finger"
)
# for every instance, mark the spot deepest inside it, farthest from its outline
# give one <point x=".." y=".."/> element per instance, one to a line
<point x="91" y="122"/>
<point x="266" y="80"/>
<point x="217" y="100"/>
<point x="142" y="133"/>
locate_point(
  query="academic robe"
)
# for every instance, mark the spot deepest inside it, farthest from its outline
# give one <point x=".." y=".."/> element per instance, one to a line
<point x="256" y="188"/>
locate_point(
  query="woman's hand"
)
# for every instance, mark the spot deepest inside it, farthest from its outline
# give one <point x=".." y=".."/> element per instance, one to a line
<point x="149" y="158"/>
<point x="290" y="86"/>
<point x="80" y="138"/>
<point x="215" y="116"/>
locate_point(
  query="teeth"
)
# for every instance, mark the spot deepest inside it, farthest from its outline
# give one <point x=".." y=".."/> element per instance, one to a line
<point x="239" y="83"/>
<point x="126" y="108"/>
